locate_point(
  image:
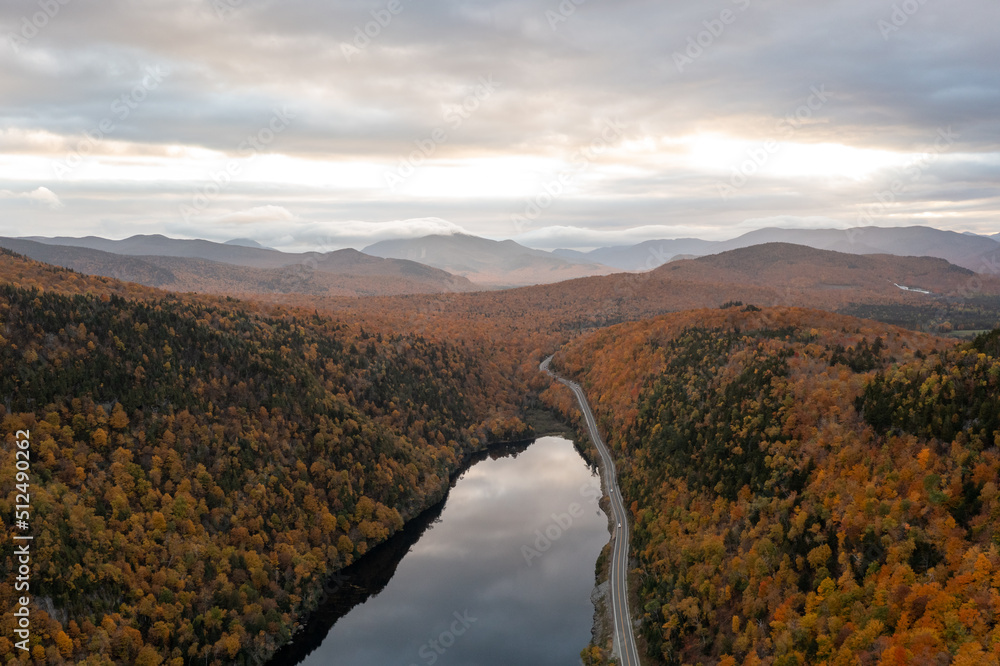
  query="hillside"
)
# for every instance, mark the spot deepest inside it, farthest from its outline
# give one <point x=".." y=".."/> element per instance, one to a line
<point x="642" y="256"/>
<point x="546" y="315"/>
<point x="488" y="262"/>
<point x="975" y="253"/>
<point x="259" y="448"/>
<point x="338" y="273"/>
<point x="806" y="487"/>
<point x="245" y="242"/>
<point x="157" y="245"/>
<point x="966" y="251"/>
<point x="200" y="465"/>
<point x="787" y="266"/>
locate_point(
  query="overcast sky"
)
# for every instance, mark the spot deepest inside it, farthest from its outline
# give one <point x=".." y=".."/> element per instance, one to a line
<point x="310" y="124"/>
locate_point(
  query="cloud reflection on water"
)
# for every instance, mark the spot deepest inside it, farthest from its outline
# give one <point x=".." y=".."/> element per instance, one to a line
<point x="471" y="560"/>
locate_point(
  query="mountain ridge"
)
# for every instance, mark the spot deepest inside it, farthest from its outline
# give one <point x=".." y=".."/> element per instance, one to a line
<point x="964" y="250"/>
<point x="488" y="262"/>
<point x="345" y="272"/>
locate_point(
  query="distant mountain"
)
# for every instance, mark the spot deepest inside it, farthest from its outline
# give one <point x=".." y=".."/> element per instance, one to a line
<point x="488" y="262"/>
<point x="644" y="256"/>
<point x="959" y="249"/>
<point x="245" y="242"/>
<point x="786" y="267"/>
<point x="767" y="275"/>
<point x="157" y="245"/>
<point x="967" y="250"/>
<point x="339" y="273"/>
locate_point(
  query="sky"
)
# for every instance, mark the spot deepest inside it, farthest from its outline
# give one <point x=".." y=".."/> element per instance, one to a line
<point x="316" y="125"/>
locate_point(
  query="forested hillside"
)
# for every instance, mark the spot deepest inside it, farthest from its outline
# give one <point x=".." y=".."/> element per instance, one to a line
<point x="545" y="316"/>
<point x="200" y="466"/>
<point x="806" y="487"/>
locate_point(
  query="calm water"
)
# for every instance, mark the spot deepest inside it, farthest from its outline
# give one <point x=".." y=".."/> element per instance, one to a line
<point x="501" y="574"/>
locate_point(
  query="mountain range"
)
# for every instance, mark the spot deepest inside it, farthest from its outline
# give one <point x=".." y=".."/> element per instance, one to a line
<point x="460" y="262"/>
<point x="132" y="389"/>
<point x="922" y="293"/>
<point x="238" y="270"/>
<point x="239" y="251"/>
<point x="786" y="267"/>
<point x="489" y="262"/>
<point x="978" y="253"/>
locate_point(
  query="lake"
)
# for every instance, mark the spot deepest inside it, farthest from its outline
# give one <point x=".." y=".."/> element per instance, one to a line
<point x="499" y="573"/>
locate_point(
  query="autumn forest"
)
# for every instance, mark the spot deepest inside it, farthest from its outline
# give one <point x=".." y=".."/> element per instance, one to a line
<point x="812" y="474"/>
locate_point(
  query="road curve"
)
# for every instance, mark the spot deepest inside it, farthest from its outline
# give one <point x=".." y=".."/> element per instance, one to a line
<point x="628" y="655"/>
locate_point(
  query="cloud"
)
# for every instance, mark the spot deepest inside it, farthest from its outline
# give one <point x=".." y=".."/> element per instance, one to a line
<point x="358" y="118"/>
<point x="607" y="59"/>
<point x="792" y="222"/>
<point x="258" y="214"/>
<point x="580" y="238"/>
<point x="326" y="236"/>
<point x="41" y="195"/>
<point x="277" y="227"/>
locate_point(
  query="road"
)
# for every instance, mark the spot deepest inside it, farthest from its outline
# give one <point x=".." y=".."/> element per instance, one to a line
<point x="628" y="655"/>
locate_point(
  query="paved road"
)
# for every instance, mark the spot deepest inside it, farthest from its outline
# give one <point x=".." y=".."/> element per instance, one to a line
<point x="624" y="637"/>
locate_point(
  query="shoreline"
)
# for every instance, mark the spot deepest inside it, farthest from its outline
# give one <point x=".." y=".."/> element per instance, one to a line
<point x="602" y="625"/>
<point x="372" y="571"/>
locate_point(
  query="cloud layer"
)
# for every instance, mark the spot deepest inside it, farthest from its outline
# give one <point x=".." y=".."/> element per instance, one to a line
<point x="507" y="118"/>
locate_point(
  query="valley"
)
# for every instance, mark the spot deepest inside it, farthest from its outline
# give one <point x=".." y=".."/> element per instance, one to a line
<point x="729" y="425"/>
<point x="480" y="333"/>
